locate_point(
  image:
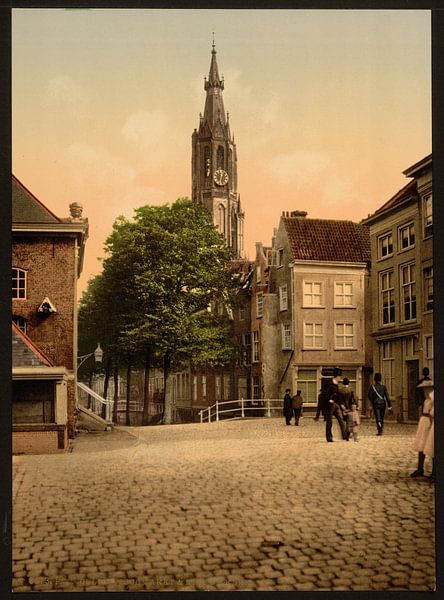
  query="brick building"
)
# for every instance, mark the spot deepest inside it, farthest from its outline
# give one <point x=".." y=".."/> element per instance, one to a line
<point x="319" y="281"/>
<point x="401" y="234"/>
<point x="47" y="258"/>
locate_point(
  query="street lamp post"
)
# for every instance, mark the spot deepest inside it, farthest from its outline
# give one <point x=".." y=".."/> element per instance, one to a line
<point x="98" y="355"/>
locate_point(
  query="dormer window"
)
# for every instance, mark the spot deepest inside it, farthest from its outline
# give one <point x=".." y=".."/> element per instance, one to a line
<point x="18" y="283"/>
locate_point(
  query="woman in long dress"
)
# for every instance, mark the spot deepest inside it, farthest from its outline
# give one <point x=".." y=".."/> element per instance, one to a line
<point x="424" y="442"/>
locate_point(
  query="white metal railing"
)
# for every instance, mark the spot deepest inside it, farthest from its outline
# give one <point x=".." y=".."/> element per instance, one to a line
<point x="241" y="409"/>
<point x="97" y="402"/>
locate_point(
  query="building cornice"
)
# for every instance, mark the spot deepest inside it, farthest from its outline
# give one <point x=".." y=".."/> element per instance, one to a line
<point x="39" y="373"/>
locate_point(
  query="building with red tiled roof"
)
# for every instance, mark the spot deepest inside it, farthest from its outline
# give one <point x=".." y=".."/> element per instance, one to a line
<point x="401" y="237"/>
<point x="317" y="303"/>
<point x="47" y="258"/>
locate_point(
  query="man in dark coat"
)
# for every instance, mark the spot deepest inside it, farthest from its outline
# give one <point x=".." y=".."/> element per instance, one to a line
<point x="333" y="407"/>
<point x="320" y="409"/>
<point x="379" y="398"/>
<point x="296" y="404"/>
<point x="288" y="410"/>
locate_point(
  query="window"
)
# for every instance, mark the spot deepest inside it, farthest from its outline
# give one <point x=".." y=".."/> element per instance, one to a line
<point x="428" y="216"/>
<point x="385" y="245"/>
<point x="204" y="386"/>
<point x="345" y="336"/>
<point x="344" y="294"/>
<point x="387" y="361"/>
<point x="258" y="273"/>
<point x="308" y="384"/>
<point x="280" y="257"/>
<point x="428" y="353"/>
<point x="18" y="283"/>
<point x="20" y="322"/>
<point x="408" y="292"/>
<point x="283" y="298"/>
<point x="406" y="236"/>
<point x="313" y="335"/>
<point x="286" y="336"/>
<point x="312" y="293"/>
<point x="220" y="158"/>
<point x="387" y="297"/>
<point x="241" y="313"/>
<point x="256" y="352"/>
<point x="194" y="389"/>
<point x="226" y="390"/>
<point x="33" y="401"/>
<point x="256" y="387"/>
<point x="218" y="387"/>
<point x="411" y="347"/>
<point x="259" y="304"/>
<point x="221" y="219"/>
<point x="428" y="288"/>
<point x="247" y="344"/>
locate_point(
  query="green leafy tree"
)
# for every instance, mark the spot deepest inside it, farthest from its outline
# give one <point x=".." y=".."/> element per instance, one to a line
<point x="164" y="269"/>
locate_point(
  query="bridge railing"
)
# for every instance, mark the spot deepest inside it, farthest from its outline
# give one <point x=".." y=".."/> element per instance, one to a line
<point x="241" y="409"/>
<point x="95" y="402"/>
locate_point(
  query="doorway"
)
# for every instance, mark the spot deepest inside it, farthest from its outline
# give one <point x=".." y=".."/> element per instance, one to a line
<point x="412" y="382"/>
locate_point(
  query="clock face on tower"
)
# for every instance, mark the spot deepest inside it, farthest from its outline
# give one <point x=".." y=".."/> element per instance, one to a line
<point x="220" y="177"/>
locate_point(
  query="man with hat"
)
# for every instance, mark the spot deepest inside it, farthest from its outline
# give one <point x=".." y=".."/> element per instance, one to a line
<point x="333" y="408"/>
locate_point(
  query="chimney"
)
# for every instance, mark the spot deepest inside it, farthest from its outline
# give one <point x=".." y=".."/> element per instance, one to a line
<point x="299" y="213"/>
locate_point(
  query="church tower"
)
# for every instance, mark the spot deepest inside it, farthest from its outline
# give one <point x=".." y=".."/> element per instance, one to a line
<point x="214" y="164"/>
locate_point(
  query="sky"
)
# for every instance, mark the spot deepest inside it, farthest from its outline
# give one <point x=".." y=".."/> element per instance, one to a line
<point x="327" y="107"/>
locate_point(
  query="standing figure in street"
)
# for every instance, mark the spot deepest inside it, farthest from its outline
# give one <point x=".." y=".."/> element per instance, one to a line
<point x="296" y="404"/>
<point x="333" y="408"/>
<point x="424" y="438"/>
<point x="420" y="394"/>
<point x="379" y="398"/>
<point x="354" y="422"/>
<point x="320" y="409"/>
<point x="347" y="399"/>
<point x="288" y="411"/>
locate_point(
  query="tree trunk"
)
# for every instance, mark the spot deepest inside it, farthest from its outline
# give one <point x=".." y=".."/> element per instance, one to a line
<point x="105" y="387"/>
<point x="116" y="392"/>
<point x="128" y="394"/>
<point x="167" y="399"/>
<point x="146" y="407"/>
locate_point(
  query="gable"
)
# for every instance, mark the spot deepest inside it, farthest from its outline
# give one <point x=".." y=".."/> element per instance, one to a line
<point x="25" y="353"/>
<point x="26" y="208"/>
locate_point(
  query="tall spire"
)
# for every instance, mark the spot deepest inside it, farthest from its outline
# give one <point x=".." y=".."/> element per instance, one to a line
<point x="214" y="106"/>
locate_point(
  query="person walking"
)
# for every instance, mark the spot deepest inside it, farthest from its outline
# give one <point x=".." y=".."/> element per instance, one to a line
<point x="424" y="438"/>
<point x="296" y="404"/>
<point x="333" y="408"/>
<point x="379" y="398"/>
<point x="320" y="409"/>
<point x="288" y="410"/>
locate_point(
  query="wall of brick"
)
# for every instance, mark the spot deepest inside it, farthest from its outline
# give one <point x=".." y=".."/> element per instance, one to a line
<point x="50" y="266"/>
<point x="37" y="442"/>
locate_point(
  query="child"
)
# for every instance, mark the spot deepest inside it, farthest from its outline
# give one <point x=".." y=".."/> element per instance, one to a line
<point x="424" y="438"/>
<point x="353" y="422"/>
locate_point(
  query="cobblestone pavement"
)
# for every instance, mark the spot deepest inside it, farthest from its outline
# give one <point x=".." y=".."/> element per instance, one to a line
<point x="240" y="505"/>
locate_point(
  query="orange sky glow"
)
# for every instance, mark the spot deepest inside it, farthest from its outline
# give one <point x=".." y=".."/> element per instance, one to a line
<point x="327" y="107"/>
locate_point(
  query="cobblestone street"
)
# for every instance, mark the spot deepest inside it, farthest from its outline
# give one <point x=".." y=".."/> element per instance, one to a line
<point x="240" y="505"/>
